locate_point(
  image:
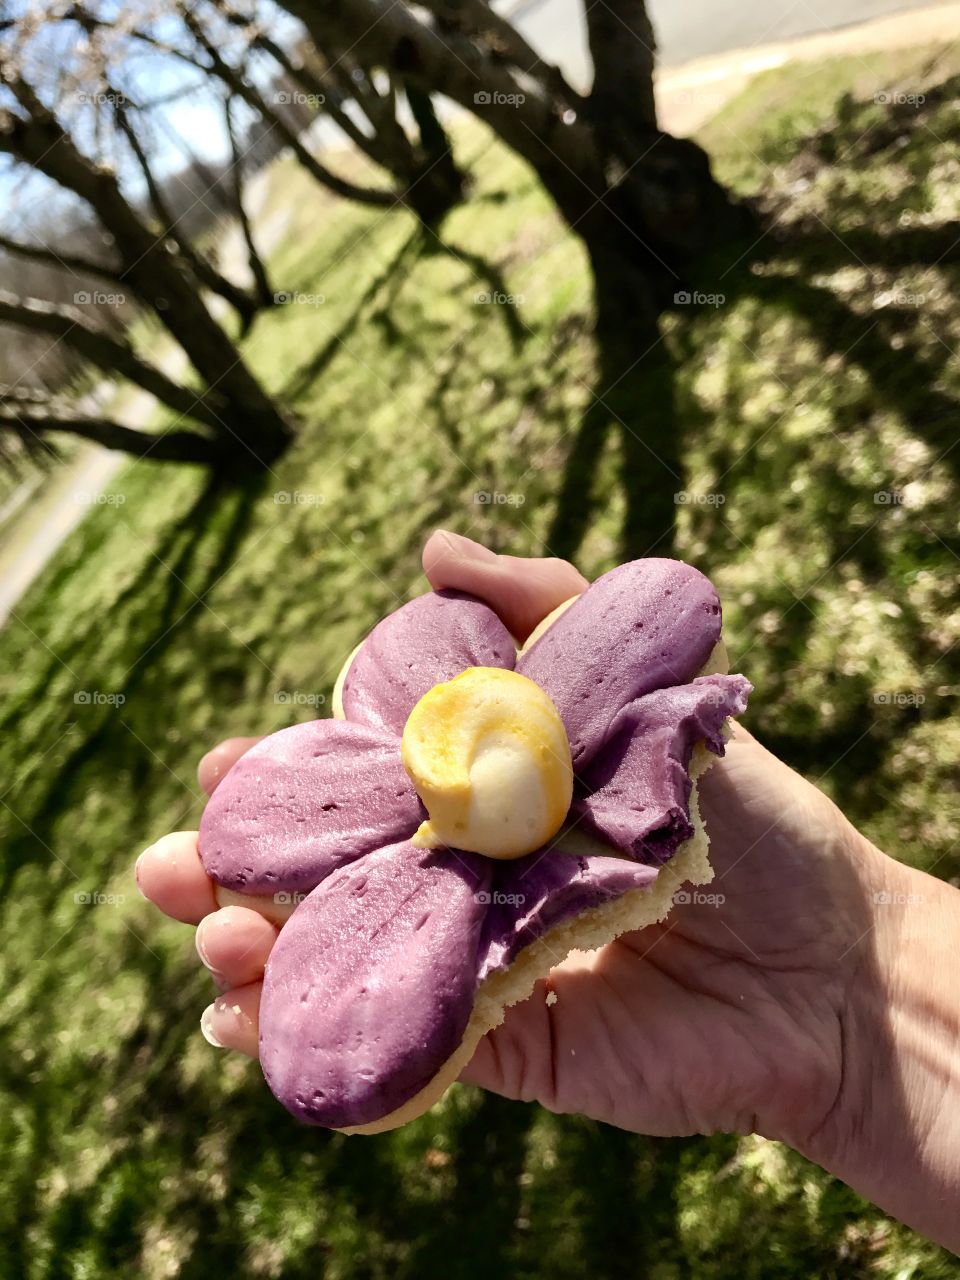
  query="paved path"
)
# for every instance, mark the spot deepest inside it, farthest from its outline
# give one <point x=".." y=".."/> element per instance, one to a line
<point x="688" y="29"/>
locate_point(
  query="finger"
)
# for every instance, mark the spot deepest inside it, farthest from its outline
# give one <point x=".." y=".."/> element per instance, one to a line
<point x="222" y="758"/>
<point x="484" y="1069"/>
<point x="172" y="877"/>
<point x="232" y="1021"/>
<point x="511" y="1058"/>
<point x="234" y="944"/>
<point x="520" y="590"/>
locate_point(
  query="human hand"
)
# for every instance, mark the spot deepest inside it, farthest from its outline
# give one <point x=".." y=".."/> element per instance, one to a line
<point x="730" y="1015"/>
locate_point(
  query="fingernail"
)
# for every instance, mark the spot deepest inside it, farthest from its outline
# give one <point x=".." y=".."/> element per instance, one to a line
<point x="466" y="548"/>
<point x="136" y="869"/>
<point x="206" y="1027"/>
<point x="215" y="974"/>
<point x="201" y="952"/>
<point x="215" y="769"/>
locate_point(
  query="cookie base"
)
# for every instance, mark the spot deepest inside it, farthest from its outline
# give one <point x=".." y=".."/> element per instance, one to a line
<point x="586" y="932"/>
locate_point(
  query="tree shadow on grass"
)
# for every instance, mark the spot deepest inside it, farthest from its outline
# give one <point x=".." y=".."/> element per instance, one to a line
<point x="146" y="619"/>
<point x="633" y="402"/>
<point x="901" y="375"/>
<point x="378" y="303"/>
<point x="497" y="291"/>
<point x="390" y="280"/>
<point x="634" y="394"/>
<point x="472" y="1234"/>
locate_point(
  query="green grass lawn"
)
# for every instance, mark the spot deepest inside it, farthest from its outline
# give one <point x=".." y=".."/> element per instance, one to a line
<point x="816" y="412"/>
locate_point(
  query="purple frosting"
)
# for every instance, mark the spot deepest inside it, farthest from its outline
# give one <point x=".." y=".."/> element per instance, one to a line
<point x="643" y="626"/>
<point x="635" y="793"/>
<point x="370" y="985"/>
<point x="303" y="802"/>
<point x="372" y="980"/>
<point x="530" y="896"/>
<point x="426" y="642"/>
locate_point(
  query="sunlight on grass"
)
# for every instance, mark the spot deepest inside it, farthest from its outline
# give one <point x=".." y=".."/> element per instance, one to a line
<point x="132" y="1148"/>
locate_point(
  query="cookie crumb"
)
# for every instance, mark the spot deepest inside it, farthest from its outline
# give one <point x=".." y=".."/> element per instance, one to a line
<point x="551" y="997"/>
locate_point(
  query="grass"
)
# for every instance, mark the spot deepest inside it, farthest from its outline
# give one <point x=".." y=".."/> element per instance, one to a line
<point x="131" y="1147"/>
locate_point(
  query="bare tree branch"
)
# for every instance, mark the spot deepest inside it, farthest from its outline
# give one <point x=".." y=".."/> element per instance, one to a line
<point x="505" y="40"/>
<point x="66" y="261"/>
<point x="257" y="266"/>
<point x="158" y="276"/>
<point x="244" y="305"/>
<point x="242" y="88"/>
<point x="112" y="355"/>
<point x="173" y="446"/>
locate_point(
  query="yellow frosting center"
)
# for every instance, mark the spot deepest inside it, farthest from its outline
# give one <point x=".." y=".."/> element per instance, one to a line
<point x="489" y="757"/>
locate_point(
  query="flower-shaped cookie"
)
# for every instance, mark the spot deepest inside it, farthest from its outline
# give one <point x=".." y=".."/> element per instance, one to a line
<point x="373" y="981"/>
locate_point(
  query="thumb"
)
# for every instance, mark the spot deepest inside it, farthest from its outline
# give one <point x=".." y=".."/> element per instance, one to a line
<point x="520" y="590"/>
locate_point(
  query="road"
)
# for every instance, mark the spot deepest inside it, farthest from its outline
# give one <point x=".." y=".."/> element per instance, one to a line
<point x="688" y="29"/>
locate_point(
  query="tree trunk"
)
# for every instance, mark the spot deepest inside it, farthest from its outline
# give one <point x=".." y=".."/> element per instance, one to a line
<point x="650" y="195"/>
<point x="436" y="184"/>
<point x="622" y="49"/>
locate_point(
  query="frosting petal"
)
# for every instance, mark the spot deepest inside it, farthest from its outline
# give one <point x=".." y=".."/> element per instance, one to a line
<point x="636" y="789"/>
<point x="428" y="641"/>
<point x="643" y="626"/>
<point x="532" y="895"/>
<point x="303" y="802"/>
<point x="371" y="983"/>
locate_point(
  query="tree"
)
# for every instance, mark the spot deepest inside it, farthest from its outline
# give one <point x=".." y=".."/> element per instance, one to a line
<point x="222" y="41"/>
<point x="230" y="408"/>
<point x="429" y="180"/>
<point x="641" y="200"/>
<point x="644" y="203"/>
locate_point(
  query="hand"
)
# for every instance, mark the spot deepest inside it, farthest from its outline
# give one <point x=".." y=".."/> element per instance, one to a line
<point x="731" y="1015"/>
